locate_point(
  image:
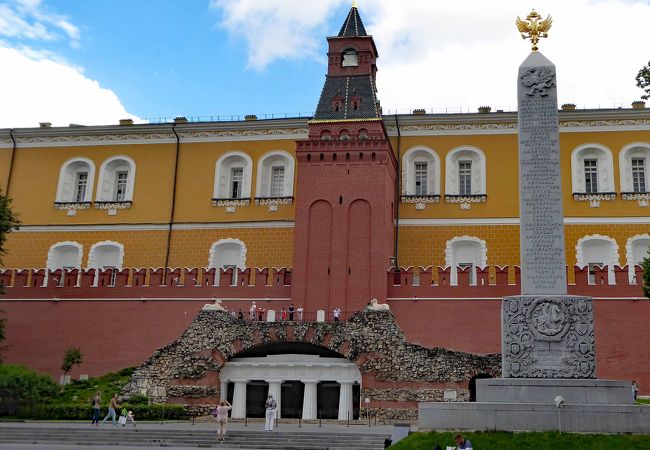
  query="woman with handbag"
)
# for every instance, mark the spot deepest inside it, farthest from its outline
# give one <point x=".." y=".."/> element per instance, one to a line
<point x="221" y="414"/>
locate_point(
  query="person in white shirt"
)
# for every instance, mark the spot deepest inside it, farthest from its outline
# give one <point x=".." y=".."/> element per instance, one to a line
<point x="271" y="407"/>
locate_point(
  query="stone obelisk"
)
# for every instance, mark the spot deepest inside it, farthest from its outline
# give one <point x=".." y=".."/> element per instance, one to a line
<point x="546" y="334"/>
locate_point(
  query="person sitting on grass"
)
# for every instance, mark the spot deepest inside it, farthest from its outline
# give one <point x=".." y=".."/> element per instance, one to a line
<point x="462" y="443"/>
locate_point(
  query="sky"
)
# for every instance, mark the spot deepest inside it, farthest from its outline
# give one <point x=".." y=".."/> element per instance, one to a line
<point x="93" y="62"/>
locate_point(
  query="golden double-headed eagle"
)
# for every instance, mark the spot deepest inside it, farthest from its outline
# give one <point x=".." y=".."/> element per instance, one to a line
<point x="533" y="28"/>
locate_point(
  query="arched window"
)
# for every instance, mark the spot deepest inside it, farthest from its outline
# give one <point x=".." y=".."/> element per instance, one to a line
<point x="76" y="179"/>
<point x="420" y="172"/>
<point x="227" y="254"/>
<point x="636" y="250"/>
<point x="275" y="175"/>
<point x="349" y="58"/>
<point x="465" y="252"/>
<point x="597" y="250"/>
<point x="106" y="255"/>
<point x="233" y="176"/>
<point x="465" y="172"/>
<point x="633" y="166"/>
<point x="64" y="255"/>
<point x="116" y="180"/>
<point x="592" y="173"/>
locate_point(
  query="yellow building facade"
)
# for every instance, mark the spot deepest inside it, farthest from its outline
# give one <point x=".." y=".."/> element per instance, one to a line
<point x="171" y="194"/>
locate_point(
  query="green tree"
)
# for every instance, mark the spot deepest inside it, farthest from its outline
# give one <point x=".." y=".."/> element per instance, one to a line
<point x="643" y="81"/>
<point x="8" y="222"/>
<point x="72" y="357"/>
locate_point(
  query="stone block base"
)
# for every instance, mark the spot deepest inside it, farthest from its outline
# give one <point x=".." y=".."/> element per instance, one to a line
<point x="534" y="417"/>
<point x="537" y="390"/>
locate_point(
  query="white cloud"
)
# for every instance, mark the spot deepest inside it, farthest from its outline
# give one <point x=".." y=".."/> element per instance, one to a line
<point x="38" y="89"/>
<point x="465" y="53"/>
<point x="38" y="85"/>
<point x="277" y="29"/>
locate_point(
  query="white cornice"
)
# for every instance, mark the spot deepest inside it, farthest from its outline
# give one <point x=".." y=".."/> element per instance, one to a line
<point x="152" y="227"/>
<point x="515" y="221"/>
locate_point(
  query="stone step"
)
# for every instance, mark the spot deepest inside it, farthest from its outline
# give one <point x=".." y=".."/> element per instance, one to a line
<point x="116" y="436"/>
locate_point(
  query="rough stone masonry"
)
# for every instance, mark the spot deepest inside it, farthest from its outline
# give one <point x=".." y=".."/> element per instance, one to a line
<point x="395" y="374"/>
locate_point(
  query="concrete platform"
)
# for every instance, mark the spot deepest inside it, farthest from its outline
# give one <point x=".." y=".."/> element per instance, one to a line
<point x="541" y="390"/>
<point x="598" y="418"/>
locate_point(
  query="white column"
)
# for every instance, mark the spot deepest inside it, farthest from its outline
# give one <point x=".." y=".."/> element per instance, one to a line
<point x="239" y="400"/>
<point x="345" y="400"/>
<point x="223" y="391"/>
<point x="275" y="389"/>
<point x="309" y="400"/>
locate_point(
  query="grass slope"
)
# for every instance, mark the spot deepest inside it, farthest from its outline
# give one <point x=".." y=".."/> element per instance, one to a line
<point x="82" y="392"/>
<point x="528" y="441"/>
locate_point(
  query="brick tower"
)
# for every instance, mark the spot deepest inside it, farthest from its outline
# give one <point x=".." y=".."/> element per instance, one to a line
<point x="343" y="237"/>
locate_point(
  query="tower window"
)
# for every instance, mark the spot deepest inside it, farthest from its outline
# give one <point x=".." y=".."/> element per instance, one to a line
<point x="350" y="58"/>
<point x="81" y="182"/>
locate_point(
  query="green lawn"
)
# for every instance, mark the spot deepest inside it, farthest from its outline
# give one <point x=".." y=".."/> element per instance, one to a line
<point x="528" y="441"/>
<point x="81" y="392"/>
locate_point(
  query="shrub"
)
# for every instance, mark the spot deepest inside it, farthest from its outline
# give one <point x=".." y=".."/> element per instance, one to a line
<point x="82" y="412"/>
<point x="138" y="399"/>
<point x="21" y="386"/>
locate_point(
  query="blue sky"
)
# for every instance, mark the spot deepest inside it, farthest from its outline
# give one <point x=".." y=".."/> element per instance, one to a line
<point x="96" y="61"/>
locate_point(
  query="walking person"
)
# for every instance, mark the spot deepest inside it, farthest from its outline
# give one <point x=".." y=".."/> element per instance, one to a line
<point x="283" y="314"/>
<point x="112" y="406"/>
<point x="291" y="311"/>
<point x="337" y="314"/>
<point x="299" y="311"/>
<point x="97" y="403"/>
<point x="222" y="419"/>
<point x="253" y="311"/>
<point x="271" y="407"/>
<point x="635" y="390"/>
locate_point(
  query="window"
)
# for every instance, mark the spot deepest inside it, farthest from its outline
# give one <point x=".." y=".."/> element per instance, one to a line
<point x="121" y="178"/>
<point x="464" y="177"/>
<point x="233" y="176"/>
<point x="591" y="176"/>
<point x="597" y="250"/>
<point x="116" y="180"/>
<point x="81" y="183"/>
<point x="464" y="252"/>
<point x="638" y="175"/>
<point x="636" y="250"/>
<point x="633" y="168"/>
<point x="76" y="181"/>
<point x="421" y="178"/>
<point x="592" y="170"/>
<point x="277" y="181"/>
<point x="236" y="179"/>
<point x="275" y="175"/>
<point x="226" y="254"/>
<point x="420" y="172"/>
<point x="106" y="255"/>
<point x="465" y="172"/>
<point x="350" y="58"/>
<point x="64" y="255"/>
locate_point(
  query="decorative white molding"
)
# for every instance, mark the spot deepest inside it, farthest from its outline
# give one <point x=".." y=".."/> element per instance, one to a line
<point x="230" y="202"/>
<point x="594" y="199"/>
<point x="605" y="168"/>
<point x="146" y="227"/>
<point x="113" y="205"/>
<point x="223" y="166"/>
<point x="629" y="151"/>
<point x="106" y="182"/>
<point x="479" y="174"/>
<point x="420" y="154"/>
<point x="92" y="254"/>
<point x="51" y="254"/>
<point x="65" y="206"/>
<point x="451" y="257"/>
<point x="241" y="261"/>
<point x="611" y="259"/>
<point x="273" y="202"/>
<point x="264" y="166"/>
<point x="629" y="248"/>
<point x="67" y="179"/>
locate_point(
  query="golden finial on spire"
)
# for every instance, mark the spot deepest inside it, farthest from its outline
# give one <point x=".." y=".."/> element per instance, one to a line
<point x="354" y="3"/>
<point x="533" y="28"/>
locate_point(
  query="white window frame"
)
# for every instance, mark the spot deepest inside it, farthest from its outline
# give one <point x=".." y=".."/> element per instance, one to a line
<point x="222" y="172"/>
<point x="265" y="166"/>
<point x="415" y="155"/>
<point x="479" y="174"/>
<point x="92" y="254"/>
<point x="239" y="264"/>
<point x="605" y="168"/>
<point x="630" y="151"/>
<point x="66" y="188"/>
<point x="106" y="186"/>
<point x="611" y="259"/>
<point x="52" y="252"/>
<point x="629" y="255"/>
<point x="450" y="257"/>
